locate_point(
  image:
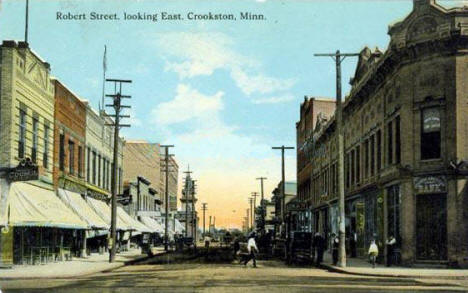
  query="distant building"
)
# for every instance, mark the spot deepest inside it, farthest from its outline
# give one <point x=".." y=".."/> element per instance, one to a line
<point x="290" y="192"/>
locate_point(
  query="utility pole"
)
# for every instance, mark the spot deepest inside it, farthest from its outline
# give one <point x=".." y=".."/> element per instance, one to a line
<point x="188" y="188"/>
<point x="194" y="220"/>
<point x="26" y="23"/>
<point x="166" y="195"/>
<point x="209" y="227"/>
<point x="248" y="219"/>
<point x="117" y="99"/>
<point x="251" y="201"/>
<point x="338" y="58"/>
<point x="204" y="208"/>
<point x="254" y="195"/>
<point x="283" y="183"/>
<point x="262" y="204"/>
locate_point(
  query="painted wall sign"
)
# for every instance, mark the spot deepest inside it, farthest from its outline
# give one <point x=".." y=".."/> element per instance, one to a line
<point x="430" y="184"/>
<point x="25" y="171"/>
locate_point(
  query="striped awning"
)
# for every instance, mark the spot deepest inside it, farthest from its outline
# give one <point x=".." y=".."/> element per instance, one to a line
<point x="32" y="206"/>
<point x="81" y="207"/>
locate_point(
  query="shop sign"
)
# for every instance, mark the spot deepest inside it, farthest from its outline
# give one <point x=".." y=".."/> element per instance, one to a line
<point x="430" y="184"/>
<point x="297" y="206"/>
<point x="25" y="171"/>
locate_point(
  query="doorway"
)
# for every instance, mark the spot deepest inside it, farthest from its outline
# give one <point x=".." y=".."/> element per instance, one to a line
<point x="431" y="227"/>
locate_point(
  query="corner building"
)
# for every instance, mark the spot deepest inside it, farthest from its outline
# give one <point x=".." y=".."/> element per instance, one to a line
<point x="405" y="136"/>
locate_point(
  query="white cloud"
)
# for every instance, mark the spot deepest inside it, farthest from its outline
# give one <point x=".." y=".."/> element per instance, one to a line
<point x="187" y="104"/>
<point x="274" y="100"/>
<point x="200" y="54"/>
<point x="259" y="83"/>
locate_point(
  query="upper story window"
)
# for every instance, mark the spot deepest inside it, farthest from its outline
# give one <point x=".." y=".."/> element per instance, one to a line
<point x="430" y="134"/>
<point x="80" y="161"/>
<point x="62" y="153"/>
<point x="22" y="133"/>
<point x="71" y="156"/>
<point x="397" y="140"/>
<point x="94" y="167"/>
<point x="390" y="143"/>
<point x="45" y="157"/>
<point x="379" y="150"/>
<point x="34" y="140"/>
<point x="87" y="164"/>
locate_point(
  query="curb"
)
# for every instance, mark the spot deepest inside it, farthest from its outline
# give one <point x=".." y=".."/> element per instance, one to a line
<point x="389" y="275"/>
<point x="111" y="267"/>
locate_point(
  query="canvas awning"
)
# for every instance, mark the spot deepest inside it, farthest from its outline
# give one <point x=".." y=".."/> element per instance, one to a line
<point x="152" y="224"/>
<point x="104" y="211"/>
<point x="32" y="206"/>
<point x="131" y="222"/>
<point x="81" y="207"/>
<point x="179" y="228"/>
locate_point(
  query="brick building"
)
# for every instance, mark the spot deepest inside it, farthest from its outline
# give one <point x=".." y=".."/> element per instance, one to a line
<point x="69" y="140"/>
<point x="405" y="143"/>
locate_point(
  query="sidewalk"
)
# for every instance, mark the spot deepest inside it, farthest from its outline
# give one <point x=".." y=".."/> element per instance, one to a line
<point x="357" y="266"/>
<point x="77" y="267"/>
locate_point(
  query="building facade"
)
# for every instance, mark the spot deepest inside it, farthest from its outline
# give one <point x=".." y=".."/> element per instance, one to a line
<point x="69" y="140"/>
<point x="99" y="155"/>
<point x="26" y="108"/>
<point x="405" y="146"/>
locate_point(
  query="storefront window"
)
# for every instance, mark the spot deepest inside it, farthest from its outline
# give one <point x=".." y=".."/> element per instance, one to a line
<point x="393" y="206"/>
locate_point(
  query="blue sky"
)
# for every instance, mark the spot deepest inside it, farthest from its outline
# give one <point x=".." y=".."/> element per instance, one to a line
<point x="223" y="92"/>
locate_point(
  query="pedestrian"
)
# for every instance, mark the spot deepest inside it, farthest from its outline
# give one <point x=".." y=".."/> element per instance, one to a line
<point x="236" y="246"/>
<point x="252" y="249"/>
<point x="352" y="243"/>
<point x="207" y="241"/>
<point x="319" y="244"/>
<point x="391" y="243"/>
<point x="335" y="246"/>
<point x="373" y="252"/>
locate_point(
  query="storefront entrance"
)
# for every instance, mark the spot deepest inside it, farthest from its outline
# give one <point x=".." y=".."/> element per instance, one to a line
<point x="431" y="227"/>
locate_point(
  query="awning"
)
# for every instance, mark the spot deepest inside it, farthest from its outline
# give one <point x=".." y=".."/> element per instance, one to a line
<point x="32" y="206"/>
<point x="131" y="222"/>
<point x="104" y="211"/>
<point x="80" y="206"/>
<point x="152" y="224"/>
<point x="179" y="228"/>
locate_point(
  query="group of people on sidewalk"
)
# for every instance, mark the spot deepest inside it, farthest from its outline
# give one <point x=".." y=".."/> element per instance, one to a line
<point x="373" y="251"/>
<point x="318" y="247"/>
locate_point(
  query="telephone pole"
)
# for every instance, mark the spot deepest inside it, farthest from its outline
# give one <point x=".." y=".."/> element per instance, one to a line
<point x="188" y="188"/>
<point x="283" y="183"/>
<point x="194" y="220"/>
<point x="262" y="205"/>
<point x="254" y="195"/>
<point x="338" y="58"/>
<point x="117" y="99"/>
<point x="204" y="208"/>
<point x="248" y="220"/>
<point x="26" y="22"/>
<point x="251" y="201"/>
<point x="166" y="195"/>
